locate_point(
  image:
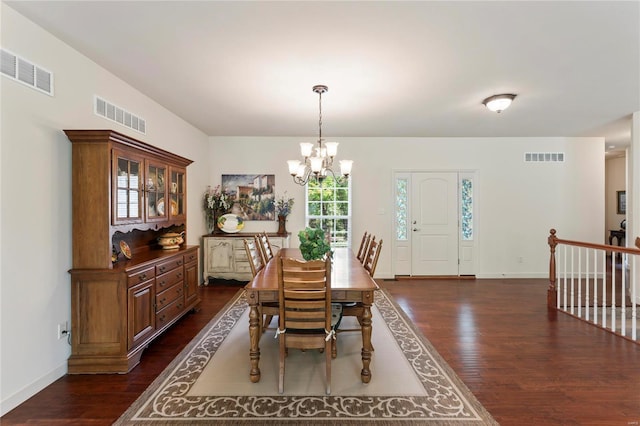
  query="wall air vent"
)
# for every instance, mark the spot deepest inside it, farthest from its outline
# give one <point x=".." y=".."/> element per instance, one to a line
<point x="25" y="72"/>
<point x="114" y="113"/>
<point x="544" y="157"/>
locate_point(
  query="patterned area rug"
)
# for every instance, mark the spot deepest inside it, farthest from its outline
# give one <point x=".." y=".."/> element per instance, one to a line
<point x="208" y="383"/>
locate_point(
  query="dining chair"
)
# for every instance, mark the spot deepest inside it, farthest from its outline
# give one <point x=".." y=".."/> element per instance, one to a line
<point x="265" y="247"/>
<point x="373" y="253"/>
<point x="304" y="292"/>
<point x="356" y="309"/>
<point x="364" y="245"/>
<point x="267" y="309"/>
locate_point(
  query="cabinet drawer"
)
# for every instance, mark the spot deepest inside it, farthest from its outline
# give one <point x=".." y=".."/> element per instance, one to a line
<point x="243" y="266"/>
<point x="168" y="265"/>
<point x="141" y="276"/>
<point x="169" y="295"/>
<point x="238" y="244"/>
<point x="169" y="313"/>
<point x="191" y="257"/>
<point x="165" y="281"/>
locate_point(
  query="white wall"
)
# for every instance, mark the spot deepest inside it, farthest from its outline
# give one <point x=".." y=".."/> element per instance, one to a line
<point x="35" y="196"/>
<point x="517" y="203"/>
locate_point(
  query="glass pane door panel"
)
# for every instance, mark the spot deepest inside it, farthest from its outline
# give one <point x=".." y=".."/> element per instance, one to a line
<point x="177" y="190"/>
<point x="127" y="194"/>
<point x="155" y="188"/>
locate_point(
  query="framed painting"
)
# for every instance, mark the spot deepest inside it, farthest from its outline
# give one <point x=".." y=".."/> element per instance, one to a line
<point x="252" y="195"/>
<point x="621" y="197"/>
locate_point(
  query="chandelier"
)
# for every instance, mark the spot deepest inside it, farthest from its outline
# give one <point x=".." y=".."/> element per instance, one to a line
<point x="317" y="161"/>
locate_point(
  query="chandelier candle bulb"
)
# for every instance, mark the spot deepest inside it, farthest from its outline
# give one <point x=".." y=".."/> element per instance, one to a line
<point x="332" y="148"/>
<point x="306" y="148"/>
<point x="345" y="167"/>
<point x="293" y="166"/>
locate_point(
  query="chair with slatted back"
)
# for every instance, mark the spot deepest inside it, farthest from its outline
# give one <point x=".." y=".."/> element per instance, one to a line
<point x="364" y="245"/>
<point x="255" y="262"/>
<point x="373" y="253"/>
<point x="356" y="309"/>
<point x="265" y="247"/>
<point x="304" y="289"/>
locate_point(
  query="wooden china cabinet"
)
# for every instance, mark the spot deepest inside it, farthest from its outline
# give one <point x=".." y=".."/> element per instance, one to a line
<point x="125" y="289"/>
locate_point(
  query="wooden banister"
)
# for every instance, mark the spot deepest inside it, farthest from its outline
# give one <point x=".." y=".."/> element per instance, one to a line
<point x="553" y="241"/>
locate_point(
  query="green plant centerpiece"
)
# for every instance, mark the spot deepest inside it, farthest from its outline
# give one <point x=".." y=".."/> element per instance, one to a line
<point x="313" y="244"/>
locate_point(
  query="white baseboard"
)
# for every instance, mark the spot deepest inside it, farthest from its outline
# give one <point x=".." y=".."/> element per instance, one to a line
<point x="517" y="275"/>
<point x="31" y="389"/>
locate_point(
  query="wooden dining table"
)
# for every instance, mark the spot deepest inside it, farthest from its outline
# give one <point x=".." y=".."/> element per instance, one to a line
<point x="350" y="282"/>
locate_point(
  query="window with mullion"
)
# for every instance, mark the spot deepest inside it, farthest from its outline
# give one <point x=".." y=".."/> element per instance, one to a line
<point x="329" y="208"/>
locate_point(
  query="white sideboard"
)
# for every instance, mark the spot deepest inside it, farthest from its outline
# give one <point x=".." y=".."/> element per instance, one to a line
<point x="225" y="256"/>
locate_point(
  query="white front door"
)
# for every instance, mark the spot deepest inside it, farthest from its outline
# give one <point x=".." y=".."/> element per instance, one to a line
<point x="434" y="223"/>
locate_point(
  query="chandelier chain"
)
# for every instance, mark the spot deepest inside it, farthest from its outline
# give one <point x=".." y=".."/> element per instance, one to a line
<point x="320" y="116"/>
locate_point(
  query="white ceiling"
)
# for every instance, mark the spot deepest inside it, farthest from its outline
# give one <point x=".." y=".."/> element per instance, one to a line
<point x="393" y="68"/>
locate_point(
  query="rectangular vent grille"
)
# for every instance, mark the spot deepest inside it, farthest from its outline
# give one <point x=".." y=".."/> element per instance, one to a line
<point x="118" y="115"/>
<point x="25" y="72"/>
<point x="544" y="157"/>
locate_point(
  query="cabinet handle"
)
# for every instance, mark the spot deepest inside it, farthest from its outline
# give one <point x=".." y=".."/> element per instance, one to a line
<point x="162" y="283"/>
<point x="142" y="277"/>
<point x="179" y="262"/>
<point x="179" y="275"/>
<point x="163" y="300"/>
<point x="162" y="268"/>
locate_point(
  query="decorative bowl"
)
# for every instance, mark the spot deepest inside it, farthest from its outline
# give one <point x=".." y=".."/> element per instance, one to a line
<point x="170" y="240"/>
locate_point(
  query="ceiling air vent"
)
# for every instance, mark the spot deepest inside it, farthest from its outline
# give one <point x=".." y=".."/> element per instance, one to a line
<point x="544" y="157"/>
<point x="116" y="114"/>
<point x="25" y="72"/>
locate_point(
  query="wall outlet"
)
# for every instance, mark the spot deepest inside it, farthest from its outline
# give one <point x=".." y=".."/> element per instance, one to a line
<point x="520" y="259"/>
<point x="63" y="329"/>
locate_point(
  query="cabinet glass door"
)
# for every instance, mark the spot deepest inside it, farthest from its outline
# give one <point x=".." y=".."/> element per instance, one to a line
<point x="127" y="182"/>
<point x="177" y="190"/>
<point x="155" y="188"/>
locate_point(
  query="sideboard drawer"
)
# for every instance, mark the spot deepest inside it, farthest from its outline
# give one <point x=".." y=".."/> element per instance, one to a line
<point x="140" y="276"/>
<point x="174" y="263"/>
<point x="169" y="313"/>
<point x="165" y="281"/>
<point x="169" y="295"/>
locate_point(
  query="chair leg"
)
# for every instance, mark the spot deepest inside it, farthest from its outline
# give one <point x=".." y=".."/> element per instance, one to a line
<point x="267" y="321"/>
<point x="334" y="348"/>
<point x="328" y="361"/>
<point x="281" y="372"/>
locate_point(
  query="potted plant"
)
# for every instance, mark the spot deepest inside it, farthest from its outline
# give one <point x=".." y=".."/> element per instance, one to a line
<point x="283" y="206"/>
<point x="314" y="244"/>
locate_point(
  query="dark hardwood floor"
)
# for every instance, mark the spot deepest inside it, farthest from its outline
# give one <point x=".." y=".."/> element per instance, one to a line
<point x="525" y="365"/>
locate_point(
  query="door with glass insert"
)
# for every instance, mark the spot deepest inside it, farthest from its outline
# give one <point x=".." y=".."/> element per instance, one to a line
<point x="177" y="188"/>
<point x="127" y="188"/>
<point x="434" y="224"/>
<point x="156" y="192"/>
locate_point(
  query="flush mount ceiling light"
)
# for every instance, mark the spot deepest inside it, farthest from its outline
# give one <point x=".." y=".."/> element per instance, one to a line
<point x="317" y="161"/>
<point x="498" y="103"/>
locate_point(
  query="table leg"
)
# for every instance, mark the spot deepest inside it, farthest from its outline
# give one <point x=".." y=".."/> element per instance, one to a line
<point x="365" y="374"/>
<point x="254" y="338"/>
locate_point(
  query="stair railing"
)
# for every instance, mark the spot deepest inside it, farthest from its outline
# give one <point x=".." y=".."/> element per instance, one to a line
<point x="595" y="283"/>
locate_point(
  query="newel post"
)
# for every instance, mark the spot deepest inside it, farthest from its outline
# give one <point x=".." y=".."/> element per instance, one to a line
<point x="552" y="292"/>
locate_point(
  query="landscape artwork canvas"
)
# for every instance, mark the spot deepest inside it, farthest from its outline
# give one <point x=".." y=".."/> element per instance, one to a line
<point x="252" y="196"/>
